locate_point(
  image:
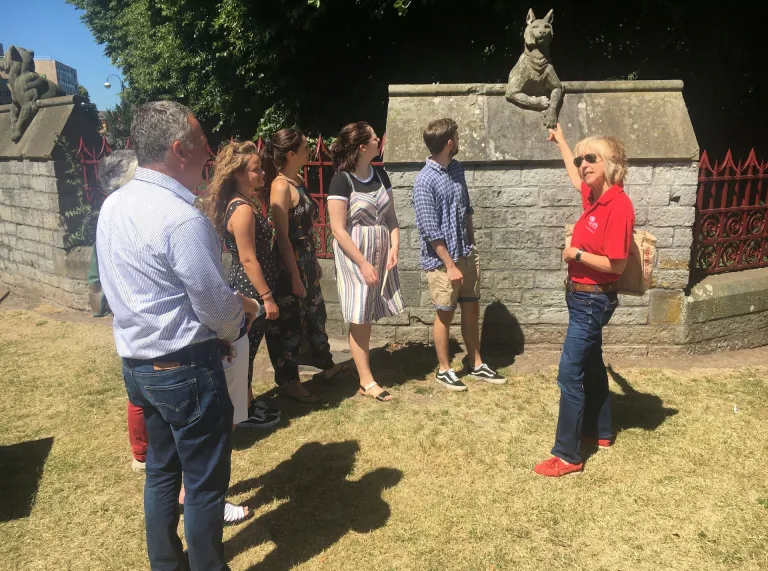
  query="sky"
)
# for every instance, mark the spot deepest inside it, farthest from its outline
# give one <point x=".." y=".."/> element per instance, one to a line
<point x="52" y="28"/>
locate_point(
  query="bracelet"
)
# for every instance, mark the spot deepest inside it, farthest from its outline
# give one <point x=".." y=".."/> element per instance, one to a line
<point x="261" y="296"/>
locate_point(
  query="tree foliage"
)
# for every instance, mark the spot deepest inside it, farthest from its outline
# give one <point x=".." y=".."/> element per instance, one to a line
<point x="322" y="63"/>
<point x="91" y="110"/>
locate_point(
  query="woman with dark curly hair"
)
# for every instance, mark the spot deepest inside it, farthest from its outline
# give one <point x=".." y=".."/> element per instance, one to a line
<point x="366" y="242"/>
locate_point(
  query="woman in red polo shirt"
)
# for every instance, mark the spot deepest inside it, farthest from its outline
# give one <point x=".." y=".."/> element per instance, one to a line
<point x="596" y="258"/>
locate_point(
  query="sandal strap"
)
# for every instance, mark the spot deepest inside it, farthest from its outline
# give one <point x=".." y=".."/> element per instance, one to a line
<point x="369" y="386"/>
<point x="382" y="395"/>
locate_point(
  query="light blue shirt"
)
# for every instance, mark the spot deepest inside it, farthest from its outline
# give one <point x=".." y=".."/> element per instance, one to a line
<point x="160" y="269"/>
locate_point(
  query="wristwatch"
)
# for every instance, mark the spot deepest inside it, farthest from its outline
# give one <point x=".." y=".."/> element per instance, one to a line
<point x="578" y="255"/>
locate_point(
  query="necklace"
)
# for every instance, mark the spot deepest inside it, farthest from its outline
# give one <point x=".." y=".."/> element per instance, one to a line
<point x="289" y="179"/>
<point x="248" y="198"/>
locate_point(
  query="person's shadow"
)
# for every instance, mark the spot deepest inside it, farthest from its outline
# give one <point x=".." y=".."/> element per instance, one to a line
<point x="633" y="409"/>
<point x="21" y="466"/>
<point x="501" y="338"/>
<point x="320" y="504"/>
<point x="392" y="365"/>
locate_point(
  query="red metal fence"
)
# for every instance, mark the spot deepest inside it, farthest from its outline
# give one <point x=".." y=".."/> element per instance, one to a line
<point x="317" y="175"/>
<point x="730" y="232"/>
<point x="731" y="228"/>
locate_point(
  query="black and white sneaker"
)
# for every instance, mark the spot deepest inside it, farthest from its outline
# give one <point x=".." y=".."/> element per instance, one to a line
<point x="259" y="419"/>
<point x="264" y="407"/>
<point x="485" y="373"/>
<point x="450" y="381"/>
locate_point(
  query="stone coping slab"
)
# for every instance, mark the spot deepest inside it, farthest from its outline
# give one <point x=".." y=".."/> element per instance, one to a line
<point x="55" y="116"/>
<point x="649" y="117"/>
<point x="727" y="295"/>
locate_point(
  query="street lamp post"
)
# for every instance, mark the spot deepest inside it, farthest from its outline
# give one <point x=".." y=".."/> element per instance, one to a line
<point x="107" y="84"/>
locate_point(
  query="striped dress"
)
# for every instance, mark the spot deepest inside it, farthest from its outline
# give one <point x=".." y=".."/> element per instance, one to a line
<point x="366" y="224"/>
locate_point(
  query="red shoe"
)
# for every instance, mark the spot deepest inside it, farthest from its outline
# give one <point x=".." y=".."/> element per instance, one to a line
<point x="554" y="468"/>
<point x="599" y="442"/>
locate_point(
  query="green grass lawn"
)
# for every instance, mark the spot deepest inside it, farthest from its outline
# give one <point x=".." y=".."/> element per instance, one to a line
<point x="432" y="481"/>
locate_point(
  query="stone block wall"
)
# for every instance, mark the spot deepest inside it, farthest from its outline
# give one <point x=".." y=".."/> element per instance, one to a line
<point x="520" y="214"/>
<point x="32" y="229"/>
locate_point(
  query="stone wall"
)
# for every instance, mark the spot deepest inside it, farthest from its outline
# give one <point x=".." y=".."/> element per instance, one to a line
<point x="32" y="256"/>
<point x="520" y="214"/>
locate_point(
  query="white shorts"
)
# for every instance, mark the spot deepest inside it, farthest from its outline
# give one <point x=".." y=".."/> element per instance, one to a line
<point x="237" y="379"/>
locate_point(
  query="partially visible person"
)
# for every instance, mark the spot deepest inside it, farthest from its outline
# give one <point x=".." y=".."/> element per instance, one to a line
<point x="297" y="288"/>
<point x="174" y="319"/>
<point x="366" y="243"/>
<point x="115" y="170"/>
<point x="596" y="258"/>
<point x="448" y="253"/>
<point x="248" y="236"/>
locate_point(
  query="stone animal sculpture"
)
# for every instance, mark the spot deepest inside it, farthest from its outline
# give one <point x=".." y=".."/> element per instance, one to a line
<point x="533" y="83"/>
<point x="26" y="86"/>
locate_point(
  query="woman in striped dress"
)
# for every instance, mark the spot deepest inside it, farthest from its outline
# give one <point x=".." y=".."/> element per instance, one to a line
<point x="366" y="242"/>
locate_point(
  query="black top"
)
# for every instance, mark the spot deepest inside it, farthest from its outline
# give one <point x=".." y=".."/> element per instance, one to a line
<point x="340" y="183"/>
<point x="301" y="220"/>
<point x="237" y="276"/>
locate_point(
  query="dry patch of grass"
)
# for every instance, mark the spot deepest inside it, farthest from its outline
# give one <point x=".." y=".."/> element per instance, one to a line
<point x="432" y="481"/>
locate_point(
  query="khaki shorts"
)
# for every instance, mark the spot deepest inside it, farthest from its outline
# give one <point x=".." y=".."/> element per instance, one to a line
<point x="444" y="294"/>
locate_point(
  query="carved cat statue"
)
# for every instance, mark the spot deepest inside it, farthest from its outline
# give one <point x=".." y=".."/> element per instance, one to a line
<point x="533" y="83"/>
<point x="26" y="86"/>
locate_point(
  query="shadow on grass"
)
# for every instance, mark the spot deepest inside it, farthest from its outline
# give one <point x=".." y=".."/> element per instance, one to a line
<point x="319" y="504"/>
<point x="501" y="338"/>
<point x="634" y="409"/>
<point x="391" y="366"/>
<point x="21" y="466"/>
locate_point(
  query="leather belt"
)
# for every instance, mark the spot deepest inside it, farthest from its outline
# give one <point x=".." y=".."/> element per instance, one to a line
<point x="184" y="356"/>
<point x="591" y="288"/>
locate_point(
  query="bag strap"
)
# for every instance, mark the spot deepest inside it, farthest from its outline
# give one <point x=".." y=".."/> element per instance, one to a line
<point x="351" y="184"/>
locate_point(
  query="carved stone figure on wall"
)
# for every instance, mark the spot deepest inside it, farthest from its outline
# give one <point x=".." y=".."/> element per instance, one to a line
<point x="26" y="86"/>
<point x="533" y="83"/>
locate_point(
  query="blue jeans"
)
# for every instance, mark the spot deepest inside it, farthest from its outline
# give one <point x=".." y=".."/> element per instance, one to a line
<point x="585" y="400"/>
<point x="189" y="425"/>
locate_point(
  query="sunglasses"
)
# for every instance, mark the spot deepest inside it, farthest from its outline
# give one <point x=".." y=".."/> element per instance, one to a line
<point x="591" y="158"/>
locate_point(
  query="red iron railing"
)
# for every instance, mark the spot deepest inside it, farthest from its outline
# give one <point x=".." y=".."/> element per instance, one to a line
<point x="317" y="175"/>
<point x="731" y="228"/>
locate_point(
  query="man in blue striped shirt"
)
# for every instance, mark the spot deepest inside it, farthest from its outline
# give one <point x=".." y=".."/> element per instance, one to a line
<point x="448" y="253"/>
<point x="160" y="269"/>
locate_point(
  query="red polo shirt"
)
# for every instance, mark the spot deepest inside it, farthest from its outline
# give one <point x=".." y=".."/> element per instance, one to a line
<point x="605" y="229"/>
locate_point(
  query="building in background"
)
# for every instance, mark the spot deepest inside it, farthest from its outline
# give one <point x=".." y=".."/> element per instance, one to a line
<point x="5" y="91"/>
<point x="60" y="74"/>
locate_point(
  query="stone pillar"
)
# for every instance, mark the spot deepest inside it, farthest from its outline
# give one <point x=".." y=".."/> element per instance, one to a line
<point x="523" y="199"/>
<point x="32" y="255"/>
<point x="33" y="199"/>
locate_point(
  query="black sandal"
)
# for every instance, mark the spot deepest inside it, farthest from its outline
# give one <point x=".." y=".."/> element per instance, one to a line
<point x="381" y="397"/>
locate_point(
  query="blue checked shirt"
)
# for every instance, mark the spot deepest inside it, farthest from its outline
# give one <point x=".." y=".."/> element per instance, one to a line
<point x="441" y="200"/>
<point x="160" y="269"/>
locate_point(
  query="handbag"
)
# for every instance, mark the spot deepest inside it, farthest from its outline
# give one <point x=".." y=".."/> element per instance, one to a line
<point x="636" y="277"/>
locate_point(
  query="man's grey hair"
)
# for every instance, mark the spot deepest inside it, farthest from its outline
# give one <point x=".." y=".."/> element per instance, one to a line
<point x="116" y="169"/>
<point x="156" y="126"/>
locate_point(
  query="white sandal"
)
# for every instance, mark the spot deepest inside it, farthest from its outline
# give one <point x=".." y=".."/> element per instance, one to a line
<point x="381" y="397"/>
<point x="235" y="514"/>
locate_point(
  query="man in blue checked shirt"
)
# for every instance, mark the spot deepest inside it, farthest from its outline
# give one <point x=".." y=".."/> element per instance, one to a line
<point x="448" y="254"/>
<point x="174" y="317"/>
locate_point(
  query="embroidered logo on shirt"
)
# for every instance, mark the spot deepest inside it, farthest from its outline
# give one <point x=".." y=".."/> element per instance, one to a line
<point x="592" y="224"/>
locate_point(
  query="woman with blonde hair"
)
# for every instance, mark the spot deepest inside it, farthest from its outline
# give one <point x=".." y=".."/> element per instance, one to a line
<point x="239" y="221"/>
<point x="596" y="258"/>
